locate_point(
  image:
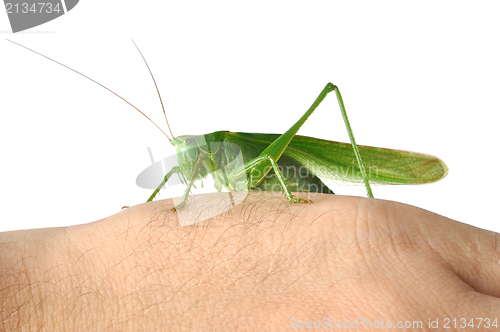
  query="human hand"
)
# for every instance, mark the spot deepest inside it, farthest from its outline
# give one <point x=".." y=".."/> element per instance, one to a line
<point x="264" y="265"/>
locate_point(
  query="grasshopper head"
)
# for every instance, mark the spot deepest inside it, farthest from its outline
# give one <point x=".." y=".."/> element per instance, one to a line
<point x="188" y="148"/>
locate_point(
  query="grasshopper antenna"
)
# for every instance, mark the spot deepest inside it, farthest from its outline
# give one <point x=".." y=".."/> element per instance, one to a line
<point x="29" y="49"/>
<point x="156" y="86"/>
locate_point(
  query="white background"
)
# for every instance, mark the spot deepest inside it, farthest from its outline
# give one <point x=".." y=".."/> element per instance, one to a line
<point x="421" y="77"/>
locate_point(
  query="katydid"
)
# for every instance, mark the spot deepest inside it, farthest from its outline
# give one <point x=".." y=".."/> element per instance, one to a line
<point x="273" y="159"/>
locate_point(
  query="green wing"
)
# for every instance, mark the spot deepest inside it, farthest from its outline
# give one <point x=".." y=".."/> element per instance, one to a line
<point x="335" y="161"/>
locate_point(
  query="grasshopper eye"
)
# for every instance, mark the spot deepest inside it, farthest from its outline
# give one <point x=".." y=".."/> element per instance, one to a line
<point x="186" y="141"/>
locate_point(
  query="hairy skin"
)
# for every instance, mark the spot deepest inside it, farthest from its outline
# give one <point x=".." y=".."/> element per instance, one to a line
<point x="254" y="268"/>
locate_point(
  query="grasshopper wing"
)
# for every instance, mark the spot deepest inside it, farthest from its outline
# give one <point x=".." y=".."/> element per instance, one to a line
<point x="336" y="161"/>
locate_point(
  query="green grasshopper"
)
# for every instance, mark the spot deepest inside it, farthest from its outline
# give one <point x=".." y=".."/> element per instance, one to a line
<point x="270" y="160"/>
<point x="322" y="159"/>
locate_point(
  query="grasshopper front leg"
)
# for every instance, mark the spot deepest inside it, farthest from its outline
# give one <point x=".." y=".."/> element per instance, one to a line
<point x="199" y="160"/>
<point x="175" y="169"/>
